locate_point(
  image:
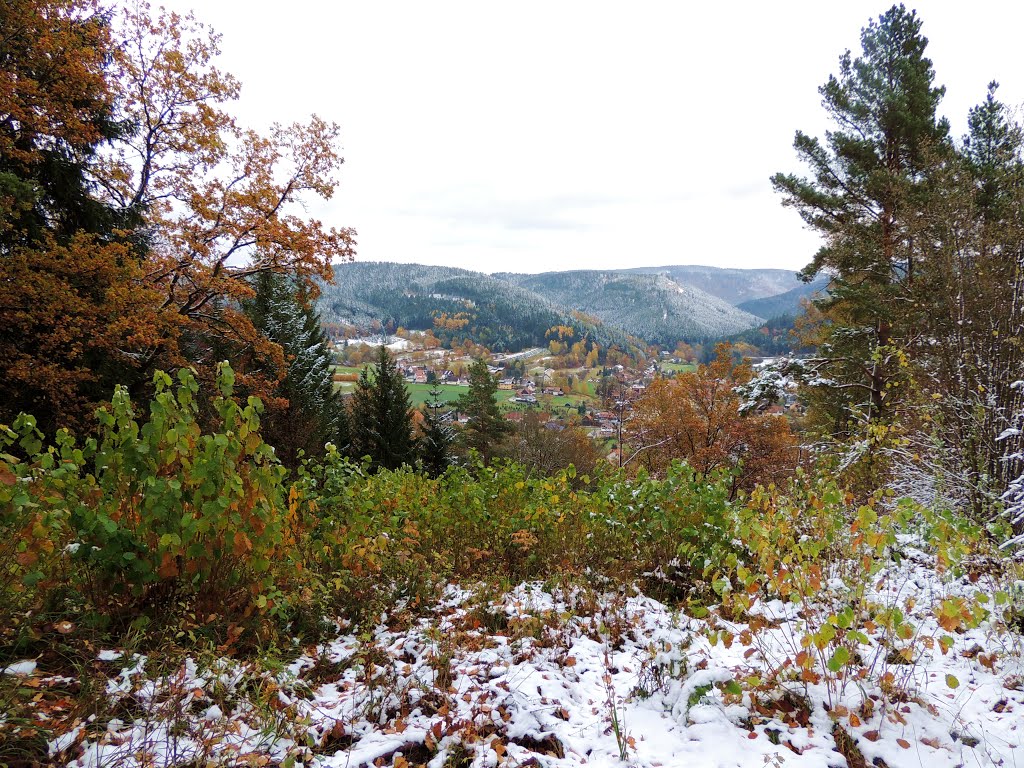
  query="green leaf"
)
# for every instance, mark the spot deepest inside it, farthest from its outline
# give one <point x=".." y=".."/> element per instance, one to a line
<point x="734" y="688"/>
<point x="825" y="635"/>
<point x="845" y="618"/>
<point x="952" y="682"/>
<point x="867" y="516"/>
<point x="839" y="659"/>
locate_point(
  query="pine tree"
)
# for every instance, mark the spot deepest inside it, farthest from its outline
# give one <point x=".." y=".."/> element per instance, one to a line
<point x="308" y="411"/>
<point x="975" y="304"/>
<point x="435" y="446"/>
<point x="486" y="428"/>
<point x="381" y="416"/>
<point x="868" y="180"/>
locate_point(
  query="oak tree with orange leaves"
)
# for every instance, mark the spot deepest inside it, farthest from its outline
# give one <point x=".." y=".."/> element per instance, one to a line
<point x="695" y="417"/>
<point x="223" y="203"/>
<point x="134" y="210"/>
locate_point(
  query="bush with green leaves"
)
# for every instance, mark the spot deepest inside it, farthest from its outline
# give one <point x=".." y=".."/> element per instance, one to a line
<point x="401" y="532"/>
<point x="141" y="512"/>
<point x="837" y="565"/>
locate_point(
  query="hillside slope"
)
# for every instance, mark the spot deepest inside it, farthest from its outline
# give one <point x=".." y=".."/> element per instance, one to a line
<point x="733" y="286"/>
<point x="499" y="314"/>
<point x="787" y="303"/>
<point x="652" y="307"/>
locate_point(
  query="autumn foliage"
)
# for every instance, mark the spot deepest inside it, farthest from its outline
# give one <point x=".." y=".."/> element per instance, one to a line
<point x="695" y="417"/>
<point x="134" y="210"/>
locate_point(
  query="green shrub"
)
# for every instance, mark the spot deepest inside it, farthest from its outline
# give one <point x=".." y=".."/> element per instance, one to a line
<point x="171" y="504"/>
<point x="388" y="535"/>
<point x="148" y="512"/>
<point x="811" y="547"/>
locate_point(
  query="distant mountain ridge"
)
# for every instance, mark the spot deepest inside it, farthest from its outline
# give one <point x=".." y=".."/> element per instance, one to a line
<point x="788" y="303"/>
<point x="650" y="306"/>
<point x="498" y="314"/>
<point x="732" y="285"/>
<point x="505" y="310"/>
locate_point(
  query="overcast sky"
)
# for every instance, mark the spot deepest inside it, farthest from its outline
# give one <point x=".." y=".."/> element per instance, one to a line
<point x="535" y="136"/>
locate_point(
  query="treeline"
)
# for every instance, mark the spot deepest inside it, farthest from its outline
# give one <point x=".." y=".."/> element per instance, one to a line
<point x="776" y="336"/>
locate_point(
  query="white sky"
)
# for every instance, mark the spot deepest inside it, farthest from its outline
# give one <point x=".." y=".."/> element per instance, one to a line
<point x="535" y="136"/>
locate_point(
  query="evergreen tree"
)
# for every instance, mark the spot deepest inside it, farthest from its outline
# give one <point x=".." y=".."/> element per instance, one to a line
<point x="381" y="416"/>
<point x="308" y="411"/>
<point x="435" y="446"/>
<point x="58" y="104"/>
<point x="974" y="291"/>
<point x="868" y="180"/>
<point x="486" y="428"/>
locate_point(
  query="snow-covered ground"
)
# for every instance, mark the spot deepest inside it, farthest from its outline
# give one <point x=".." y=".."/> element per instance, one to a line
<point x="394" y="343"/>
<point x="567" y="678"/>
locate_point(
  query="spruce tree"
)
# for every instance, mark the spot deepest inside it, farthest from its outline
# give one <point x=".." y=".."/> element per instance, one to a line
<point x="74" y="317"/>
<point x="435" y="446"/>
<point x="307" y="412"/>
<point x="975" y="281"/>
<point x="486" y="428"/>
<point x="381" y="416"/>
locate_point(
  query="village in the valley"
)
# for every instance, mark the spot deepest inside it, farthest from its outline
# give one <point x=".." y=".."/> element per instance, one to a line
<point x="598" y="399"/>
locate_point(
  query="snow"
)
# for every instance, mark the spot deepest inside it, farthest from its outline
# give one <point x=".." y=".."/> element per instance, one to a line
<point x="545" y="676"/>
<point x="20" y="668"/>
<point x="394" y="343"/>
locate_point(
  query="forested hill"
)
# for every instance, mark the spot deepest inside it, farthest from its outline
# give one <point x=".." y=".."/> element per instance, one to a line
<point x="466" y="304"/>
<point x="734" y="286"/>
<point x="785" y="304"/>
<point x="653" y="307"/>
<point x="660" y="305"/>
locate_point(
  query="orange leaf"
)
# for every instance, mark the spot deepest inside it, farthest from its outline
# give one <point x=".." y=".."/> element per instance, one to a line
<point x="168" y="566"/>
<point x="26" y="559"/>
<point x="242" y="543"/>
<point x="903" y="743"/>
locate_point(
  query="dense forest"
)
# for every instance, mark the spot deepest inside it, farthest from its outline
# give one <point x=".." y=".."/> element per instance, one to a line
<point x="212" y="553"/>
<point x="457" y="305"/>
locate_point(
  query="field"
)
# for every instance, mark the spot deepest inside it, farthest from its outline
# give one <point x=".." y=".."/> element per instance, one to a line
<point x="419" y="394"/>
<point x="678" y="367"/>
